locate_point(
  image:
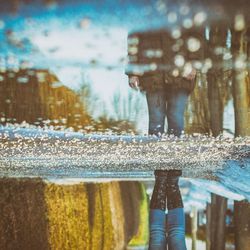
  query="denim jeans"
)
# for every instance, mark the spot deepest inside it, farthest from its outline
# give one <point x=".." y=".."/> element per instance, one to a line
<point x="170" y="104"/>
<point x="167" y="231"/>
<point x="176" y="229"/>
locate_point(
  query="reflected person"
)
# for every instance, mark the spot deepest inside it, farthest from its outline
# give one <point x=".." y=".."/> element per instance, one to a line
<point x="160" y="69"/>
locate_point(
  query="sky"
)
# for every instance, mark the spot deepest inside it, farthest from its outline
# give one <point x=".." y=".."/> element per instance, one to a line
<point x="72" y="46"/>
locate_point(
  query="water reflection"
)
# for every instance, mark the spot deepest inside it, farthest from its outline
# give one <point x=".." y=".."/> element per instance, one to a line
<point x="62" y="69"/>
<point x="73" y="214"/>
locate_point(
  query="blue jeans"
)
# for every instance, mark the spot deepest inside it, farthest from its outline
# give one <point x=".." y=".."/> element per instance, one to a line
<point x="167" y="232"/>
<point x="170" y="104"/>
<point x="166" y="103"/>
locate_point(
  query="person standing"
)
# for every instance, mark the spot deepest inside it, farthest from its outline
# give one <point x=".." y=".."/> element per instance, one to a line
<point x="160" y="65"/>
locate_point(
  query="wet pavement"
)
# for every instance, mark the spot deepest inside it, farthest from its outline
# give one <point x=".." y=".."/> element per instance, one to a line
<point x="56" y="156"/>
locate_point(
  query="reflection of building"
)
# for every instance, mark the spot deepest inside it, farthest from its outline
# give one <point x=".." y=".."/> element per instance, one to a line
<point x="37" y="97"/>
<point x="202" y="224"/>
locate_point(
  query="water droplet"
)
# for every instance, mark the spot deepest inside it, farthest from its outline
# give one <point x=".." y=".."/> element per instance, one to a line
<point x="197" y="65"/>
<point x="193" y="44"/>
<point x="133" y="40"/>
<point x="153" y="53"/>
<point x="46" y="121"/>
<point x="22" y="79"/>
<point x="200" y="18"/>
<point x="172" y="17"/>
<point x="179" y="60"/>
<point x="208" y="63"/>
<point x="176" y="33"/>
<point x="240" y="62"/>
<point x="161" y="7"/>
<point x="187" y="69"/>
<point x="175" y="47"/>
<point x="153" y="66"/>
<point x="187" y="23"/>
<point x="132" y="50"/>
<point x="41" y="77"/>
<point x="219" y="51"/>
<point x="239" y="22"/>
<point x="175" y="72"/>
<point x="184" y="9"/>
<point x="63" y="120"/>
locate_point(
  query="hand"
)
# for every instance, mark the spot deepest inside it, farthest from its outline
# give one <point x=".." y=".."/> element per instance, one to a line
<point x="191" y="75"/>
<point x="134" y="82"/>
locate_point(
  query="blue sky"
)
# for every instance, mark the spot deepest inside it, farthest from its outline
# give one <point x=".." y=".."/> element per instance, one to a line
<point x="69" y="42"/>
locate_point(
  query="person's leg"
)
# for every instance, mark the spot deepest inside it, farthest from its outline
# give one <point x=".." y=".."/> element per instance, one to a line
<point x="157" y="112"/>
<point x="157" y="218"/>
<point x="176" y="103"/>
<point x="175" y="222"/>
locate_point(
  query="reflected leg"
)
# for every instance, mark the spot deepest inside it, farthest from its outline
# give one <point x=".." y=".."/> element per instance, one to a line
<point x="176" y="103"/>
<point x="175" y="219"/>
<point x="157" y="219"/>
<point x="157" y="111"/>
